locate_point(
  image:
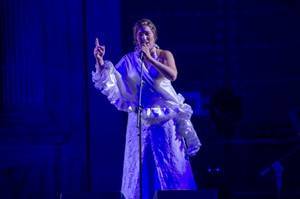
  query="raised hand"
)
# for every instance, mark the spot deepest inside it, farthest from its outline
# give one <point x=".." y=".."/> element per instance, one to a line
<point x="99" y="52"/>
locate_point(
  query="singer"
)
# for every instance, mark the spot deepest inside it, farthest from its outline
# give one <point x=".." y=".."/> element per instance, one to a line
<point x="168" y="136"/>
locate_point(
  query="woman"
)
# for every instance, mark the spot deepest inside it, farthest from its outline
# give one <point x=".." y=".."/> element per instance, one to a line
<point x="168" y="136"/>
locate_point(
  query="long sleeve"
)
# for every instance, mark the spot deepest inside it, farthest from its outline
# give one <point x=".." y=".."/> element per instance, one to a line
<point x="161" y="103"/>
<point x="109" y="81"/>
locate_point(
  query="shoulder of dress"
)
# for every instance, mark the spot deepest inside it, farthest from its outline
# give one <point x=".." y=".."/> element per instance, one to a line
<point x="126" y="60"/>
<point x="129" y="55"/>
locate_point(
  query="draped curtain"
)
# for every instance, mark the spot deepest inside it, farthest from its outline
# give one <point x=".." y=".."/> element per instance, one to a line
<point x="46" y="124"/>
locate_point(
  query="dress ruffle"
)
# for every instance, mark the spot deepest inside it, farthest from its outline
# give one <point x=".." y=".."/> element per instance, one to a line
<point x="107" y="82"/>
<point x="181" y="114"/>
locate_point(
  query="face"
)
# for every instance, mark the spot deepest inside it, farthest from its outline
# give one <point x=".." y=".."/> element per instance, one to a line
<point x="144" y="35"/>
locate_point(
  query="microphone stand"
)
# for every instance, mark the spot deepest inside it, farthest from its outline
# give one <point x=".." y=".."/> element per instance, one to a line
<point x="139" y="125"/>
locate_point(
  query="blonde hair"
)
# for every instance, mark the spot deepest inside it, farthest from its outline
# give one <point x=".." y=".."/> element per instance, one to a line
<point x="144" y="22"/>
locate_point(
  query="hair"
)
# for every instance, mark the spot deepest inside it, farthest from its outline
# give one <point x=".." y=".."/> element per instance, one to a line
<point x="144" y="22"/>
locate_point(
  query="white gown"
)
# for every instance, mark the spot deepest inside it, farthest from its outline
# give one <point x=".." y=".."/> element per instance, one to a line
<point x="168" y="136"/>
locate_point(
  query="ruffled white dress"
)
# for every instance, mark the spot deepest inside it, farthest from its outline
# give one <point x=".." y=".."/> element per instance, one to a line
<point x="168" y="136"/>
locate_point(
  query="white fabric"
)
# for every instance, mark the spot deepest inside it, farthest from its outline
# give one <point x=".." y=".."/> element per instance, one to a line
<point x="168" y="134"/>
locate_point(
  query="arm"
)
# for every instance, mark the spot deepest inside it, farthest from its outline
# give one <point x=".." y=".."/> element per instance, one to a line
<point x="109" y="81"/>
<point x="167" y="67"/>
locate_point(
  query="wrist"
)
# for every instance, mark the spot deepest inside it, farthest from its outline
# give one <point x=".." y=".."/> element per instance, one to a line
<point x="100" y="62"/>
<point x="99" y="66"/>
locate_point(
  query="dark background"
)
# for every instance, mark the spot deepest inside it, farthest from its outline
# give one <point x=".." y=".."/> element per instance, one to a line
<point x="238" y="63"/>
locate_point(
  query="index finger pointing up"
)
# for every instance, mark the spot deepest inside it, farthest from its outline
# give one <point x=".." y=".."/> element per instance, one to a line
<point x="97" y="42"/>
